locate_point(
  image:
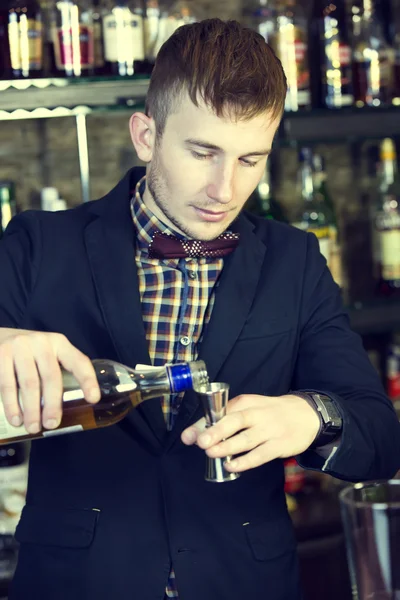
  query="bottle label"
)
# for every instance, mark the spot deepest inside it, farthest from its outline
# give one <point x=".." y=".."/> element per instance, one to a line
<point x="26" y="44"/>
<point x="337" y="73"/>
<point x="290" y="44"/>
<point x="123" y="37"/>
<point x="393" y="372"/>
<point x="74" y="48"/>
<point x="62" y="430"/>
<point x="390" y="254"/>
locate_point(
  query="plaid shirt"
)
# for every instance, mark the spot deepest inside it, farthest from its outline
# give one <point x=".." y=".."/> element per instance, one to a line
<point x="177" y="297"/>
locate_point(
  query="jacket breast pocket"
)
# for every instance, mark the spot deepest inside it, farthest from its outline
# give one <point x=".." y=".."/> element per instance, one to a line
<point x="266" y="327"/>
<point x="54" y="553"/>
<point x="269" y="540"/>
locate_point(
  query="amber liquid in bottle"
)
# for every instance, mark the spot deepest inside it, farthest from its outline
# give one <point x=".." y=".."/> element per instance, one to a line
<point x="122" y="389"/>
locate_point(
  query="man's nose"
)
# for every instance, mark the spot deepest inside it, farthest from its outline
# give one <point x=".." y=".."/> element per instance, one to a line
<point x="222" y="188"/>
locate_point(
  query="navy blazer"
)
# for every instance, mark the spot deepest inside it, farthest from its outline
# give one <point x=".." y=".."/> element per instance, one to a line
<point x="109" y="510"/>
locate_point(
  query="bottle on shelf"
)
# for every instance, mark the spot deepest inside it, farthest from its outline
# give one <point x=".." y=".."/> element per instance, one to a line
<point x="162" y="19"/>
<point x="330" y="55"/>
<point x="8" y="206"/>
<point x="314" y="214"/>
<point x="21" y="39"/>
<point x="262" y="203"/>
<point x="98" y="40"/>
<point x="373" y="58"/>
<point x="73" y="37"/>
<point x="122" y="389"/>
<point x="122" y="36"/>
<point x="386" y="219"/>
<point x="324" y="197"/>
<point x="396" y="47"/>
<point x="290" y="42"/>
<point x="393" y="369"/>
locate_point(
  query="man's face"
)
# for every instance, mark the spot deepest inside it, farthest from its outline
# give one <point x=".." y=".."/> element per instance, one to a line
<point x="205" y="167"/>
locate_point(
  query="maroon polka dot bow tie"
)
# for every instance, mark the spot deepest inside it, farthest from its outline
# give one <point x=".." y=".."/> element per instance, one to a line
<point x="168" y="246"/>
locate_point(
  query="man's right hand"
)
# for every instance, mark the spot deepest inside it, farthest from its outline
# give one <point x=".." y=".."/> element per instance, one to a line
<point x="30" y="361"/>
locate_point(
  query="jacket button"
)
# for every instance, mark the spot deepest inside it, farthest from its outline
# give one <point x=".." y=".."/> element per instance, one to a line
<point x="185" y="340"/>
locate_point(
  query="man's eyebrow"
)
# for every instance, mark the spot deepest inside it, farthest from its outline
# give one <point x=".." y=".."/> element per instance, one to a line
<point x="207" y="146"/>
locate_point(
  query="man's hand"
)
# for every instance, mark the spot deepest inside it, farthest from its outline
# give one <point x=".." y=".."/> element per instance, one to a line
<point x="30" y="361"/>
<point x="262" y="427"/>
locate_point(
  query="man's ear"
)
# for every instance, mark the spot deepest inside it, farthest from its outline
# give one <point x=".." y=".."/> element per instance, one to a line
<point x="143" y="134"/>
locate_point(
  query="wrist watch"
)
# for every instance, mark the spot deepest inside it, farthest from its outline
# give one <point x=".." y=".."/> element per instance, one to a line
<point x="331" y="422"/>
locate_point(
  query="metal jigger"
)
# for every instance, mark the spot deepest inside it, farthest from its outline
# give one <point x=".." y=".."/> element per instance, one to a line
<point x="214" y="398"/>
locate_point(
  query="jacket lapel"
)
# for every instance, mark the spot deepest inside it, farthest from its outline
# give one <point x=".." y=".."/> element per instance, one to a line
<point x="233" y="300"/>
<point x="110" y="244"/>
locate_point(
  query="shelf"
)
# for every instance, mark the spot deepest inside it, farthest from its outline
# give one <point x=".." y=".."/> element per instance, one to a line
<point x="348" y="124"/>
<point x="378" y="317"/>
<point x="60" y="97"/>
<point x="44" y="98"/>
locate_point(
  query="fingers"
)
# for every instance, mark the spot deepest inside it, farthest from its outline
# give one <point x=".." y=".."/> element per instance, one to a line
<point x="8" y="387"/>
<point x="191" y="434"/>
<point x="31" y="361"/>
<point x="259" y="456"/>
<point x="77" y="363"/>
<point x="244" y="441"/>
<point x="29" y="384"/>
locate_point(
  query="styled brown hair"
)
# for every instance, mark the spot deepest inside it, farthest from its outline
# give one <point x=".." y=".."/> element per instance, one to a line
<point x="228" y="66"/>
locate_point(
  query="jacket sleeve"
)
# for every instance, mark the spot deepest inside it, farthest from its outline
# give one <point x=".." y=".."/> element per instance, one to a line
<point x="332" y="360"/>
<point x="19" y="266"/>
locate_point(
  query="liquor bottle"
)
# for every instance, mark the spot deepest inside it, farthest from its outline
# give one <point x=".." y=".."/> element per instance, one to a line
<point x="73" y="37"/>
<point x="325" y="199"/>
<point x="260" y="15"/>
<point x="393" y="369"/>
<point x="7" y="203"/>
<point x="123" y="36"/>
<point x="21" y="39"/>
<point x="314" y="215"/>
<point x="387" y="220"/>
<point x="330" y="55"/>
<point x="98" y="40"/>
<point x="262" y="203"/>
<point x="290" y="42"/>
<point x="396" y="46"/>
<point x="122" y="389"/>
<point x="373" y="58"/>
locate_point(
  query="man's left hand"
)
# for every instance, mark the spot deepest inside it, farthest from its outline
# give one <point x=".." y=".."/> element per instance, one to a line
<point x="262" y="427"/>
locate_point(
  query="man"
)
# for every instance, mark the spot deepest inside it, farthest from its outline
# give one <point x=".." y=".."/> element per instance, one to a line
<point x="125" y="512"/>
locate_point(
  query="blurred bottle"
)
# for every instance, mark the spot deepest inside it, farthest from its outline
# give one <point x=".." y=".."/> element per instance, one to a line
<point x="393" y="369"/>
<point x="290" y="42"/>
<point x="122" y="36"/>
<point x="373" y="58"/>
<point x="324" y="197"/>
<point x="330" y="55"/>
<point x="73" y="37"/>
<point x="161" y="21"/>
<point x="8" y="206"/>
<point x="21" y="39"/>
<point x="314" y="213"/>
<point x="386" y="220"/>
<point x="260" y="15"/>
<point x="396" y="47"/>
<point x="98" y="40"/>
<point x="262" y="203"/>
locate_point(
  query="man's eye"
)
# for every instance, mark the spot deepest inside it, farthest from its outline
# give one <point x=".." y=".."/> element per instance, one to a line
<point x="199" y="155"/>
<point x="248" y="163"/>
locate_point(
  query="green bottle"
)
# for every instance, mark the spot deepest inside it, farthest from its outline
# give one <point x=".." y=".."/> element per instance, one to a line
<point x="262" y="203"/>
<point x="386" y="219"/>
<point x="316" y="215"/>
<point x="7" y="203"/>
